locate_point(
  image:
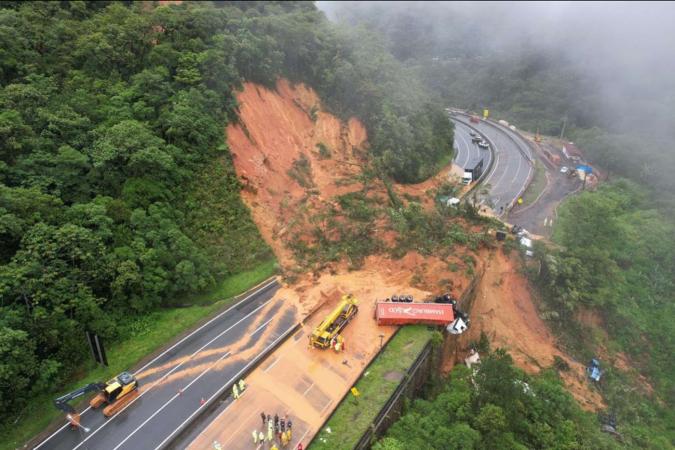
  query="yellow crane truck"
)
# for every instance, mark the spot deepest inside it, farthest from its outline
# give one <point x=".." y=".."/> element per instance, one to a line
<point x="335" y="322"/>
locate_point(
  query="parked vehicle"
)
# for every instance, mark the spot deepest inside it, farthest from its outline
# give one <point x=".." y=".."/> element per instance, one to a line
<point x="564" y="169"/>
<point x="473" y="171"/>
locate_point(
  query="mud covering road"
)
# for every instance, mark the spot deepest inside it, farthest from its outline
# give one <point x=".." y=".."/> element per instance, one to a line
<point x="303" y="383"/>
<point x="173" y="384"/>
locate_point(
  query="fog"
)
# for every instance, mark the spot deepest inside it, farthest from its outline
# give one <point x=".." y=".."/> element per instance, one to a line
<point x="627" y="50"/>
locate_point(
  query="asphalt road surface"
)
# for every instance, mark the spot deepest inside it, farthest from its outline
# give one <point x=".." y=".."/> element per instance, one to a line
<point x="467" y="151"/>
<point x="511" y="170"/>
<point x="539" y="217"/>
<point x="173" y="384"/>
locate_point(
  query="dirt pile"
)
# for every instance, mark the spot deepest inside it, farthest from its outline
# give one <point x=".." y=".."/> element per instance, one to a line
<point x="504" y="309"/>
<point x="291" y="157"/>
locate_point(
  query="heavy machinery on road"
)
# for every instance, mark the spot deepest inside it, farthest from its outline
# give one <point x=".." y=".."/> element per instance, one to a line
<point x="117" y="393"/>
<point x="335" y="322"/>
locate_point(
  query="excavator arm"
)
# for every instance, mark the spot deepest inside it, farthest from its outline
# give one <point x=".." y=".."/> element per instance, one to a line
<point x="62" y="402"/>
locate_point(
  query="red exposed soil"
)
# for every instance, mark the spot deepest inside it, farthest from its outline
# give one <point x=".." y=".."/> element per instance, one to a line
<point x="504" y="309"/>
<point x="276" y="128"/>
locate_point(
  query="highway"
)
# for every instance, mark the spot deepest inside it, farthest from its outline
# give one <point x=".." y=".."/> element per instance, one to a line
<point x="467" y="151"/>
<point x="174" y="384"/>
<point x="511" y="171"/>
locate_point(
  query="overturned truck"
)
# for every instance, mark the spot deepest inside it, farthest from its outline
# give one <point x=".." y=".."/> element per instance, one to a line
<point x="438" y="314"/>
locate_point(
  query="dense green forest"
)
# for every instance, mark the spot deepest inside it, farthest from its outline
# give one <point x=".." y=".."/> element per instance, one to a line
<point x="614" y="252"/>
<point x="496" y="407"/>
<point x="617" y="258"/>
<point x="118" y="195"/>
<point x="500" y="58"/>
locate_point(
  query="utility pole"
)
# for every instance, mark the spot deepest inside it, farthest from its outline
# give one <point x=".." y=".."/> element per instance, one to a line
<point x="562" y="132"/>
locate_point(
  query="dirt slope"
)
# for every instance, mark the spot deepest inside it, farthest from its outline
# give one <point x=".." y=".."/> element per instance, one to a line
<point x="288" y="178"/>
<point x="504" y="309"/>
<point x="277" y="128"/>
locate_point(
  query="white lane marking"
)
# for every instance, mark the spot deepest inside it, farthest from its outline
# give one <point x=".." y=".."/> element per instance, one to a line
<point x="167" y="351"/>
<point x="307" y="390"/>
<point x="272" y="365"/>
<point x="176" y="395"/>
<point x="494" y="167"/>
<point x="260" y="327"/>
<point x="145" y="391"/>
<point x="468" y="150"/>
<point x="302" y="437"/>
<point x="170" y="436"/>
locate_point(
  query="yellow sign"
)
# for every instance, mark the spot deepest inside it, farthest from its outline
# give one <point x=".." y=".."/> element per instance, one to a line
<point x="520" y="200"/>
<point x="486" y="113"/>
<point x="355" y="392"/>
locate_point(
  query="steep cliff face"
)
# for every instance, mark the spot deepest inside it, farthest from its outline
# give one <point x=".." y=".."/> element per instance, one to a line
<point x="289" y="154"/>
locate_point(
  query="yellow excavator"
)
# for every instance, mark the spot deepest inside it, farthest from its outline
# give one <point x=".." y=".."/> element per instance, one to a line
<point x="117" y="393"/>
<point x="335" y="322"/>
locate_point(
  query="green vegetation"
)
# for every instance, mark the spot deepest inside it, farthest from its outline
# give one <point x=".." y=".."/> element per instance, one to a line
<point x="117" y="192"/>
<point x="471" y="58"/>
<point x="301" y="171"/>
<point x="537" y="185"/>
<point x="348" y="229"/>
<point x="143" y="336"/>
<point x="324" y="151"/>
<point x="618" y="259"/>
<point x="355" y="414"/>
<point x="497" y="407"/>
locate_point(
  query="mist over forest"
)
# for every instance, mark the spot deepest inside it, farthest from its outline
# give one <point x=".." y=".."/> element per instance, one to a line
<point x="606" y="68"/>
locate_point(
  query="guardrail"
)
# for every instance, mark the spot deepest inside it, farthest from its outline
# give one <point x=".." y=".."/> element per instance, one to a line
<point x="519" y="145"/>
<point x="490" y="164"/>
<point x="391" y="410"/>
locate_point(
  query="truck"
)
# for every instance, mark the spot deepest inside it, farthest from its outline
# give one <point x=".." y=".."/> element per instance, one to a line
<point x="334" y="323"/>
<point x="389" y="313"/>
<point x="473" y="171"/>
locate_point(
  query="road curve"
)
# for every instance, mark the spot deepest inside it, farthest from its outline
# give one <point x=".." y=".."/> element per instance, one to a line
<point x="173" y="385"/>
<point x="512" y="167"/>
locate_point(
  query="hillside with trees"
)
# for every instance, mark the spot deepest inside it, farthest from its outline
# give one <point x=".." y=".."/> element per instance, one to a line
<point x="542" y="77"/>
<point x="118" y="195"/>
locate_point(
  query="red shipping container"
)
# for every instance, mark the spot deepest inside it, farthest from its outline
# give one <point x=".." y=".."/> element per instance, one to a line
<point x="389" y="313"/>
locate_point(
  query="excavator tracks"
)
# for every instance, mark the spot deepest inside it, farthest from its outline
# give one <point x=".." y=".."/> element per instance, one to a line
<point x="121" y="403"/>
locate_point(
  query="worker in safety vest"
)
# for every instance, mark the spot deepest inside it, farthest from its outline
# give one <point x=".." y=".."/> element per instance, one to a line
<point x="235" y="391"/>
<point x="270" y="430"/>
<point x="242" y="386"/>
<point x="261" y="437"/>
<point x="255" y="437"/>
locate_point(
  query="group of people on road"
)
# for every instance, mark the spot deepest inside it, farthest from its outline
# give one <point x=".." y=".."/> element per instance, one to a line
<point x="278" y="429"/>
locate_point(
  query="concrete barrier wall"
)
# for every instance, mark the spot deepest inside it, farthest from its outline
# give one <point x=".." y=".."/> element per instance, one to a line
<point x="417" y="375"/>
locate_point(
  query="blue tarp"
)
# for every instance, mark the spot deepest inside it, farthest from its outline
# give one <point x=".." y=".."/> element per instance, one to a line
<point x="587" y="169"/>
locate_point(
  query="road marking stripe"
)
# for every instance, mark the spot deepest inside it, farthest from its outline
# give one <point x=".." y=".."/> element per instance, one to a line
<point x="169" y="349"/>
<point x="170" y="436"/>
<point x="307" y="390"/>
<point x="169" y="373"/>
<point x="302" y="437"/>
<point x="176" y="395"/>
<point x="272" y="365"/>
